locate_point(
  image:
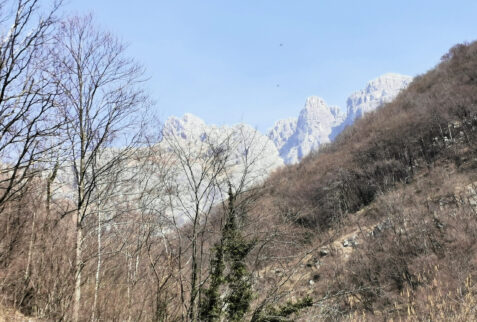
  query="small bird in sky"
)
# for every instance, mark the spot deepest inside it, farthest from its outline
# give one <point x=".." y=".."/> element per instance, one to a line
<point x="281" y="45"/>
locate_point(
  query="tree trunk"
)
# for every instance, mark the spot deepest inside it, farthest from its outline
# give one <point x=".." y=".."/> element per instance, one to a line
<point x="128" y="264"/>
<point x="193" y="279"/>
<point x="78" y="269"/>
<point x="49" y="183"/>
<point x="98" y="270"/>
<point x="30" y="248"/>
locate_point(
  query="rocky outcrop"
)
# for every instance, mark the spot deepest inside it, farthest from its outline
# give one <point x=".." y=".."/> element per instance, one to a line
<point x="319" y="123"/>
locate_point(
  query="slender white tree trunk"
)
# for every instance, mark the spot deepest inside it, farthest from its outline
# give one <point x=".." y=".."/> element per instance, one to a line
<point x="98" y="270"/>
<point x="30" y="248"/>
<point x="81" y="199"/>
<point x="128" y="263"/>
<point x="78" y="268"/>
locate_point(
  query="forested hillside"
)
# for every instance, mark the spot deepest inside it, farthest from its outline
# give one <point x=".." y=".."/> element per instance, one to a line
<point x="396" y="195"/>
<point x="105" y="216"/>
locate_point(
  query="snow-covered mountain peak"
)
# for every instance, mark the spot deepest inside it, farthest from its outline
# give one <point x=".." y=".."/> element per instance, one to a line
<point x="192" y="119"/>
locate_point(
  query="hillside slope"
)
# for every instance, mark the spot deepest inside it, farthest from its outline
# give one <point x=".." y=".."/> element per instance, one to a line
<point x="380" y="224"/>
<point x="391" y="205"/>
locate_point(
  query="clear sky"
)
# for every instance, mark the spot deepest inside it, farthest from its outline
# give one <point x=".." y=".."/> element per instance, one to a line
<point x="256" y="61"/>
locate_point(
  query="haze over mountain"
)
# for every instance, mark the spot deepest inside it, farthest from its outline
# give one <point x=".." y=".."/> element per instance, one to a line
<point x="317" y="123"/>
<point x="250" y="148"/>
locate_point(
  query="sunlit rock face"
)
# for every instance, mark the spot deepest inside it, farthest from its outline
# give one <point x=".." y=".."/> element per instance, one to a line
<point x="314" y="126"/>
<point x="248" y="158"/>
<point x="282" y="131"/>
<point x="319" y="123"/>
<point x="377" y="92"/>
<point x="247" y="147"/>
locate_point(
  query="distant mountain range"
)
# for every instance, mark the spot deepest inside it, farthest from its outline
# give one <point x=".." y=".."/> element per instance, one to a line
<point x="316" y="124"/>
<point x="251" y="151"/>
<point x="319" y="123"/>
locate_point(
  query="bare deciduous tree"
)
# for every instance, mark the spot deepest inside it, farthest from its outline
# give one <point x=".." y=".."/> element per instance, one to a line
<point x="207" y="166"/>
<point x="102" y="104"/>
<point x="26" y="94"/>
<point x="199" y="166"/>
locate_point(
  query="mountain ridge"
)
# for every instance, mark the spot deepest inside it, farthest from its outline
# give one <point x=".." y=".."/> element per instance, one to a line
<point x="317" y="123"/>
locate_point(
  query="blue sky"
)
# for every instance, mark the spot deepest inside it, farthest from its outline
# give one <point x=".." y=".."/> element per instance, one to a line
<point x="256" y="61"/>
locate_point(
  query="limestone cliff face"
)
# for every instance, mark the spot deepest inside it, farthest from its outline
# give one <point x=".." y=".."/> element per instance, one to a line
<point x="377" y="92"/>
<point x="314" y="126"/>
<point x="319" y="123"/>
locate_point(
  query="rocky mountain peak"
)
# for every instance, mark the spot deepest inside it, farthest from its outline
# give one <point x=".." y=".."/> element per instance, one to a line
<point x="314" y="102"/>
<point x="282" y="131"/>
<point x="377" y="92"/>
<point x="245" y="142"/>
<point x="388" y="81"/>
<point x="187" y="127"/>
<point x="297" y="137"/>
<point x="319" y="123"/>
<point x="316" y="110"/>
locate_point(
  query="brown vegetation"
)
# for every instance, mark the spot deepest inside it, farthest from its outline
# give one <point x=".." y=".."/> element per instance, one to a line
<point x="403" y="170"/>
<point x="379" y="224"/>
